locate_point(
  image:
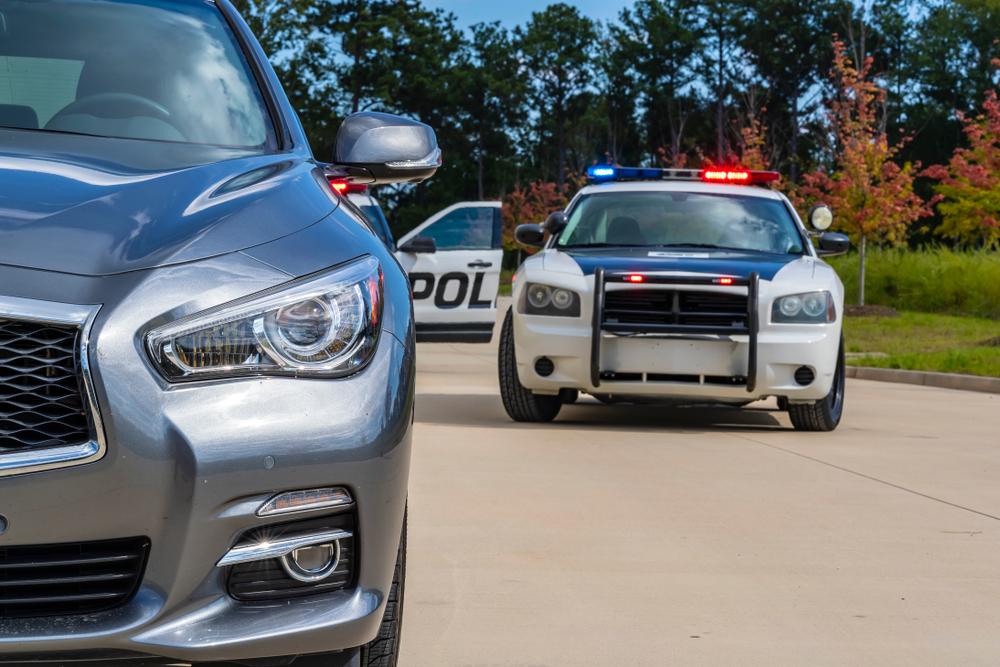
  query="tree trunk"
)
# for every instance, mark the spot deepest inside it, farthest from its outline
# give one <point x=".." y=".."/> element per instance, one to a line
<point x="480" y="161"/>
<point x="719" y="156"/>
<point x="560" y="147"/>
<point x="861" y="274"/>
<point x="795" y="131"/>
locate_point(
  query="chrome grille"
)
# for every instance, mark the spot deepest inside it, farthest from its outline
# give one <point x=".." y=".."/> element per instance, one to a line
<point x="60" y="579"/>
<point x="41" y="402"/>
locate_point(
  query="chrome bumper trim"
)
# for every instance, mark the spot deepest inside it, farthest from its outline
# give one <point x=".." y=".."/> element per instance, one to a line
<point x="279" y="548"/>
<point x="52" y="458"/>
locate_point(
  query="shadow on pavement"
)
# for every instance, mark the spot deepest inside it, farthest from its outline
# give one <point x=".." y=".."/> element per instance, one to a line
<point x="487" y="410"/>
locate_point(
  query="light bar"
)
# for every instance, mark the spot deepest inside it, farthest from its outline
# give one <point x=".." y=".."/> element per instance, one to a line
<point x="291" y="502"/>
<point x="606" y="174"/>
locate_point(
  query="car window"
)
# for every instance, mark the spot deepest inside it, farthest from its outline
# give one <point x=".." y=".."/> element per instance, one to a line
<point x="469" y="228"/>
<point x="379" y="223"/>
<point x="682" y="218"/>
<point x="135" y="69"/>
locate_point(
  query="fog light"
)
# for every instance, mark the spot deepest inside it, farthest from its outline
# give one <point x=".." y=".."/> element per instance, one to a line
<point x="313" y="563"/>
<point x="804" y="375"/>
<point x="544" y="367"/>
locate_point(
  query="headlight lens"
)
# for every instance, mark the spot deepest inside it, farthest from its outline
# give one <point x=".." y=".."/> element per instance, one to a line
<point x="815" y="307"/>
<point x="324" y="326"/>
<point x="544" y="300"/>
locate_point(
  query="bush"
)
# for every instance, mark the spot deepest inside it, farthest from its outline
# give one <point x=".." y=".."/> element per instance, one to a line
<point x="934" y="280"/>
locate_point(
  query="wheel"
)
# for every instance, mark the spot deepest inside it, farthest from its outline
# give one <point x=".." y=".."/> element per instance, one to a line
<point x="823" y="415"/>
<point x="383" y="651"/>
<point x="569" y="396"/>
<point x="521" y="405"/>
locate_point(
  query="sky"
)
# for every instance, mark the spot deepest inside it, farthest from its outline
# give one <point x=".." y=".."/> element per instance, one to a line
<point x="517" y="12"/>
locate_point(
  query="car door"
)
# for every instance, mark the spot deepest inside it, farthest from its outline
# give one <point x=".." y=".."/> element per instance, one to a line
<point x="455" y="286"/>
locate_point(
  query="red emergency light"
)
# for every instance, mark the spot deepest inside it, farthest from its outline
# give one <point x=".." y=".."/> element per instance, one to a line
<point x="634" y="279"/>
<point x="723" y="281"/>
<point x="738" y="176"/>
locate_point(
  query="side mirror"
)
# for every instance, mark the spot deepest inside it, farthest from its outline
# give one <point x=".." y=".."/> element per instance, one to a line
<point x="555" y="223"/>
<point x="382" y="148"/>
<point x="833" y="244"/>
<point x="532" y="235"/>
<point x="820" y="217"/>
<point x="419" y="244"/>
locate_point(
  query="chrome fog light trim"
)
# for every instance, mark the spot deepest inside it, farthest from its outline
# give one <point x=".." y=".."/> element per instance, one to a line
<point x="296" y="570"/>
<point x="278" y="548"/>
<point x="292" y="502"/>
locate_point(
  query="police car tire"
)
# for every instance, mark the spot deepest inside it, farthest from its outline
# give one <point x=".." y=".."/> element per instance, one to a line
<point x="823" y="415"/>
<point x="521" y="405"/>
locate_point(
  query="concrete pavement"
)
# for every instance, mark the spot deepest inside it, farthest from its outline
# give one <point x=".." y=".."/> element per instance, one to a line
<point x="626" y="535"/>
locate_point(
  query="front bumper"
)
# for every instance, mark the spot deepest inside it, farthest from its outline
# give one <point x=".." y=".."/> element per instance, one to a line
<point x="188" y="465"/>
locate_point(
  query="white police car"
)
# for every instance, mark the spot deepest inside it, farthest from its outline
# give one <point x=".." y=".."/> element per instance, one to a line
<point x="677" y="286"/>
<point x="453" y="262"/>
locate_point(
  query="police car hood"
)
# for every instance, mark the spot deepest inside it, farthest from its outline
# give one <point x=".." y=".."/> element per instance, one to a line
<point x="97" y="206"/>
<point x="733" y="263"/>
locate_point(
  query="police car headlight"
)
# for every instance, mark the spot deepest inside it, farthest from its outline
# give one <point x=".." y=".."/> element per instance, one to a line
<point x="541" y="299"/>
<point x="325" y="325"/>
<point x="815" y="307"/>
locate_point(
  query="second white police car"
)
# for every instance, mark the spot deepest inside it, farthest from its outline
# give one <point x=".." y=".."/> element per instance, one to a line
<point x="677" y="286"/>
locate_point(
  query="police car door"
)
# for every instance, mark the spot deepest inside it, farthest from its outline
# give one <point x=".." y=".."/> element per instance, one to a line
<point x="455" y="286"/>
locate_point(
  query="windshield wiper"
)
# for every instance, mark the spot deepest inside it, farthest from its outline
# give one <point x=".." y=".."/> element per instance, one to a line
<point x="604" y="245"/>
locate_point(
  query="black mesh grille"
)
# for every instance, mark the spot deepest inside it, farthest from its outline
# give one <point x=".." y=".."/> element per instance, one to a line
<point x="266" y="579"/>
<point x="804" y="375"/>
<point x="60" y="579"/>
<point x="41" y="404"/>
<point x="675" y="307"/>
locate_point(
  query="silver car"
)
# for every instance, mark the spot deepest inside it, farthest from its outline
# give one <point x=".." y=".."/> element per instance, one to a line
<point x="206" y="358"/>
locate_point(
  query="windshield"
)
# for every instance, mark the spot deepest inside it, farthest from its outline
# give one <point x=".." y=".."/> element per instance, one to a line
<point x="162" y="71"/>
<point x="665" y="219"/>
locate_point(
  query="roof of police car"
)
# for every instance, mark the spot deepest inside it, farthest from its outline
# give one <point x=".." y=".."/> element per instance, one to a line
<point x="697" y="187"/>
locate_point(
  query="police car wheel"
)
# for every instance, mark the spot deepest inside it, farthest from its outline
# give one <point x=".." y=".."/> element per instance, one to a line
<point x="521" y="405"/>
<point x="823" y="415"/>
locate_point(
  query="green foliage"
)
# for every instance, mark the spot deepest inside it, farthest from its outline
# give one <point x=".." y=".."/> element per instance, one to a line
<point x="924" y="342"/>
<point x="934" y="280"/>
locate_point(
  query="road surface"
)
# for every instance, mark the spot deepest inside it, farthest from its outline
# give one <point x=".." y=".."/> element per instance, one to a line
<point x="625" y="535"/>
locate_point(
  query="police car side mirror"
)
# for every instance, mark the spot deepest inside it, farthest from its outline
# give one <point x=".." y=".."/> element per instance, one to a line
<point x="532" y="235"/>
<point x="555" y="223"/>
<point x="419" y="244"/>
<point x="820" y="217"/>
<point x="833" y="244"/>
<point x="382" y="148"/>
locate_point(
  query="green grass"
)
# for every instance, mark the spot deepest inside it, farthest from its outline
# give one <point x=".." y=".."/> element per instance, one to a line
<point x="505" y="276"/>
<point x="934" y="280"/>
<point x="925" y="342"/>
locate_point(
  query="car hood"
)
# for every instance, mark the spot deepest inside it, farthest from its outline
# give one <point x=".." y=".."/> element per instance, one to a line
<point x="734" y="263"/>
<point x="97" y="206"/>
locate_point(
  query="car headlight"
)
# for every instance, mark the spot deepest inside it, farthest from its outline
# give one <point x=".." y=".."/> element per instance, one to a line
<point x="815" y="307"/>
<point x="324" y="325"/>
<point x="538" y="299"/>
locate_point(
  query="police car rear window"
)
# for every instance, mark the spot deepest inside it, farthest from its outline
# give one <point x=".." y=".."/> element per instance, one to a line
<point x="657" y="219"/>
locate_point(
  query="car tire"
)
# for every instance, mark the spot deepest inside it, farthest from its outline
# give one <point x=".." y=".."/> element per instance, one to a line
<point x="823" y="415"/>
<point x="521" y="405"/>
<point x="383" y="651"/>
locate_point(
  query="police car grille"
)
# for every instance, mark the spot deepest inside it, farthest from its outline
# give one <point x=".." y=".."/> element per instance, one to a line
<point x="675" y="307"/>
<point x="75" y="578"/>
<point x="41" y="404"/>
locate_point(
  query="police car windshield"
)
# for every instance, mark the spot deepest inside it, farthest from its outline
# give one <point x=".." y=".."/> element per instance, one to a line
<point x="132" y="69"/>
<point x="684" y="219"/>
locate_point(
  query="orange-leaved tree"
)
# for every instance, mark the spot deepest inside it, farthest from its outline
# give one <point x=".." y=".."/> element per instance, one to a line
<point x="529" y="205"/>
<point x="970" y="185"/>
<point x="870" y="194"/>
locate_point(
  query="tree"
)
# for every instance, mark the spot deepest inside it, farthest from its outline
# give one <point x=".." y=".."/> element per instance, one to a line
<point x="660" y="41"/>
<point x="970" y="184"/>
<point x="491" y="91"/>
<point x="871" y="195"/>
<point x="557" y="47"/>
<point x="722" y="22"/>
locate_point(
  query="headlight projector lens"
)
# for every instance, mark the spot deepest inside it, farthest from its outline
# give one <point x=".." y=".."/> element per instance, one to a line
<point x="312" y="563"/>
<point x="539" y="296"/>
<point x="790" y="306"/>
<point x="814" y="305"/>
<point x="306" y="326"/>
<point x="562" y="299"/>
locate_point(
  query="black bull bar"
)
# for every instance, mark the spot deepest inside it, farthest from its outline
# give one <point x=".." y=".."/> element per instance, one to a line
<point x="752" y="328"/>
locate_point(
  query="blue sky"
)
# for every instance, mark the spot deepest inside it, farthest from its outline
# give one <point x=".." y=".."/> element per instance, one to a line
<point x="518" y="12"/>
